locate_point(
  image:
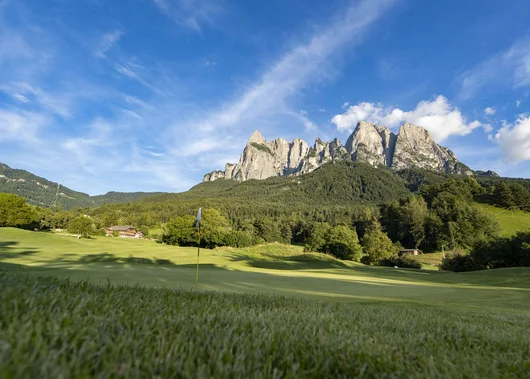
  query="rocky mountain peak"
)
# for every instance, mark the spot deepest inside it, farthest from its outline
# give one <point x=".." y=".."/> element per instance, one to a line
<point x="414" y="132"/>
<point x="375" y="144"/>
<point x="256" y="137"/>
<point x="371" y="143"/>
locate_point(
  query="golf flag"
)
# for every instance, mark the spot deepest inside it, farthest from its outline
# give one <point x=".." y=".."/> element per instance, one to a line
<point x="198" y="225"/>
<point x="199" y="216"/>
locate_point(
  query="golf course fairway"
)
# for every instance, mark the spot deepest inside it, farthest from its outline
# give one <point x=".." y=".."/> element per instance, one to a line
<point x="112" y="307"/>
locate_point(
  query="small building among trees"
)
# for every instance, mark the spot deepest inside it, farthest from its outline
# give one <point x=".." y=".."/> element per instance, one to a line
<point x="126" y="231"/>
<point x="404" y="252"/>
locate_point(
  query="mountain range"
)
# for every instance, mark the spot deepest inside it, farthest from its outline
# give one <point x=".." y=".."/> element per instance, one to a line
<point x="376" y="145"/>
<point x="374" y="165"/>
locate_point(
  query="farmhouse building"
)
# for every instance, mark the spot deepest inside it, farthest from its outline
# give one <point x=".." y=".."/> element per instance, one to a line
<point x="126" y="231"/>
<point x="404" y="252"/>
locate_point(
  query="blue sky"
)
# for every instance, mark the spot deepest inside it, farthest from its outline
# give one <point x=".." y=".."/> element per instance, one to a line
<point x="149" y="95"/>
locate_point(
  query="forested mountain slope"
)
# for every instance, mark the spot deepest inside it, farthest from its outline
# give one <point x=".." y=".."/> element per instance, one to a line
<point x="42" y="192"/>
<point x="340" y="191"/>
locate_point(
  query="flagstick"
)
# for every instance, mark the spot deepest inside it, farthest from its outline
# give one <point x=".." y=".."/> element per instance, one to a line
<point x="198" y="250"/>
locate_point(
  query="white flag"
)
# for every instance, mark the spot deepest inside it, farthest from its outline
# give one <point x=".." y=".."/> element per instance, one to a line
<point x="199" y="215"/>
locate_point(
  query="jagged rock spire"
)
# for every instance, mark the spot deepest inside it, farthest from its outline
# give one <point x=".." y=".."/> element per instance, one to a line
<point x="370" y="143"/>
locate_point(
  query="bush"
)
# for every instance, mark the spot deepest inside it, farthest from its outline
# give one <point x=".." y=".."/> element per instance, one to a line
<point x="237" y="238"/>
<point x="458" y="263"/>
<point x="492" y="253"/>
<point x="403" y="262"/>
<point x="502" y="252"/>
<point x="343" y="243"/>
<point x="100" y="232"/>
<point x="339" y="241"/>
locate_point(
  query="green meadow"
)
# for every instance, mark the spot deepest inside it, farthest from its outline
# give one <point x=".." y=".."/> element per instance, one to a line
<point x="111" y="307"/>
<point x="511" y="221"/>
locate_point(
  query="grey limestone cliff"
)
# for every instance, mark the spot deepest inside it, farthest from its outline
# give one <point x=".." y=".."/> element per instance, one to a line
<point x="373" y="144"/>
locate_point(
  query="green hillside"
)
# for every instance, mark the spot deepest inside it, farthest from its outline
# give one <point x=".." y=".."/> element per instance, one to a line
<point x="334" y="183"/>
<point x="44" y="193"/>
<point x="511" y="221"/>
<point x="341" y="191"/>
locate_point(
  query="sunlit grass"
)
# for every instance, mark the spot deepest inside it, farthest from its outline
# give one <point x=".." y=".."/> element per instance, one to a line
<point x="76" y="329"/>
<point x="129" y="308"/>
<point x="274" y="268"/>
<point x="510" y="221"/>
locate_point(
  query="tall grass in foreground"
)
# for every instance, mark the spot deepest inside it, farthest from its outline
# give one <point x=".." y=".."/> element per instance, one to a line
<point x="51" y="328"/>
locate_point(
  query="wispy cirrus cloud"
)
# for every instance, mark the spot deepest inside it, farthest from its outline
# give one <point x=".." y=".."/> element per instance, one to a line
<point x="192" y="14"/>
<point x="506" y="69"/>
<point x="94" y="116"/>
<point x="107" y="41"/>
<point x="136" y="72"/>
<point x="21" y="98"/>
<point x="309" y="62"/>
<point x="16" y="125"/>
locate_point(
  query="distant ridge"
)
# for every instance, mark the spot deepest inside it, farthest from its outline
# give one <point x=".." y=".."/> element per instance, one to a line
<point x="413" y="146"/>
<point x="42" y="192"/>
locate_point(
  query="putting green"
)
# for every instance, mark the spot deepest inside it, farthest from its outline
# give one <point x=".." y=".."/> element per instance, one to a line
<point x="277" y="269"/>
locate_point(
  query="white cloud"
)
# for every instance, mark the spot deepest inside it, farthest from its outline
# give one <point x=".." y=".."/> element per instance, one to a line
<point x="21" y="98"/>
<point x="55" y="103"/>
<point x="439" y="117"/>
<point x="107" y="41"/>
<point x="191" y="14"/>
<point x="489" y="111"/>
<point x="21" y="126"/>
<point x="514" y="140"/>
<point x="510" y="68"/>
<point x="201" y="146"/>
<point x="130" y="70"/>
<point x="127" y="72"/>
<point x="303" y="117"/>
<point x="517" y="103"/>
<point x="210" y="63"/>
<point x="134" y="101"/>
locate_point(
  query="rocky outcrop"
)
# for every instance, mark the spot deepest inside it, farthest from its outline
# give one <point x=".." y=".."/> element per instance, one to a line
<point x="415" y="148"/>
<point x="373" y="144"/>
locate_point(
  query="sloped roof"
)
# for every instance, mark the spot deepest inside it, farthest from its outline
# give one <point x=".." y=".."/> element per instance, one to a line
<point x="121" y="228"/>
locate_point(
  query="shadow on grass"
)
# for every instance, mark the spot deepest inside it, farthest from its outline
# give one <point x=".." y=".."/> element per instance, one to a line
<point x="9" y="249"/>
<point x="292" y="262"/>
<point x="107" y="257"/>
